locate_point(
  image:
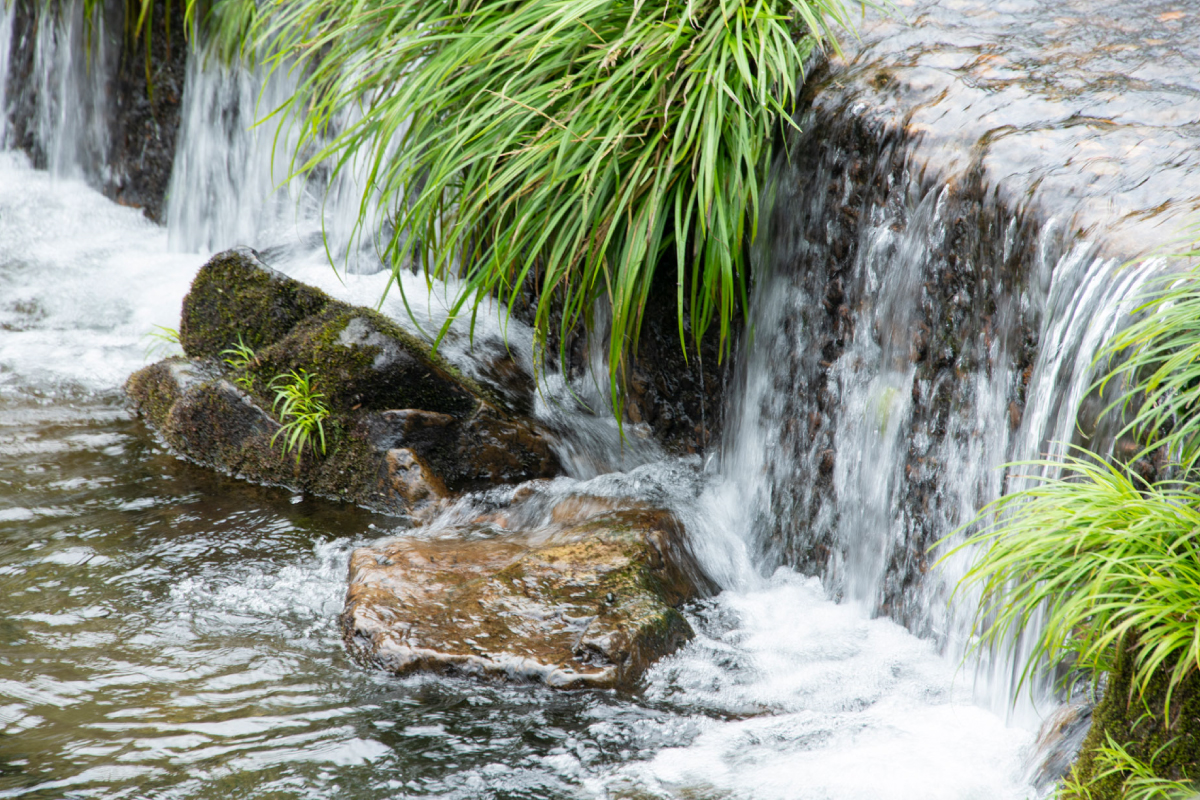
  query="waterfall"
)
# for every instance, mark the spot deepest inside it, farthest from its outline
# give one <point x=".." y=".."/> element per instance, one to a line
<point x="229" y="184"/>
<point x="912" y="329"/>
<point x="904" y="344"/>
<point x="233" y="178"/>
<point x="6" y="35"/>
<point x="59" y="110"/>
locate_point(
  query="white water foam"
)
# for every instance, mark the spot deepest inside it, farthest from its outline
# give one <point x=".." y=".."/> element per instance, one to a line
<point x="82" y="283"/>
<point x="822" y="703"/>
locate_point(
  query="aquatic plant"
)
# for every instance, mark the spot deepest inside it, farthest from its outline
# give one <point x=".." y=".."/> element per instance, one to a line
<point x="301" y="411"/>
<point x="563" y="149"/>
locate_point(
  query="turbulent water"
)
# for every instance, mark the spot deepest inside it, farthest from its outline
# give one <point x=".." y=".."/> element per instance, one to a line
<point x="167" y="632"/>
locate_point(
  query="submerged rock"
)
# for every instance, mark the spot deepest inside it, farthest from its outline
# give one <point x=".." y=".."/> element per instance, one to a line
<point x="585" y="601"/>
<point x="404" y="429"/>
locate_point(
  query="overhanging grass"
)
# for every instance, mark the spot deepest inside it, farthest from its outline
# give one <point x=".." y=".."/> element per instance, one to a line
<point x="1159" y="356"/>
<point x="1102" y="558"/>
<point x="563" y="146"/>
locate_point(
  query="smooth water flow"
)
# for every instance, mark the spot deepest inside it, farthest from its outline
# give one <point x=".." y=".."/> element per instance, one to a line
<point x="168" y="632"/>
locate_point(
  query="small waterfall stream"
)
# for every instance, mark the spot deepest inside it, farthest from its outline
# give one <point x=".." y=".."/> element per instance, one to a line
<point x="170" y="633"/>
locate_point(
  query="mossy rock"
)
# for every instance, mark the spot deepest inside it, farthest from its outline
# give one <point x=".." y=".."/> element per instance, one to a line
<point x="366" y="362"/>
<point x="1141" y="724"/>
<point x="405" y="430"/>
<point x="235" y="294"/>
<point x="588" y="602"/>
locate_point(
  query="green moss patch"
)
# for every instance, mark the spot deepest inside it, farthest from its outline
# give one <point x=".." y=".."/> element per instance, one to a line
<point x="1170" y="743"/>
<point x="234" y="295"/>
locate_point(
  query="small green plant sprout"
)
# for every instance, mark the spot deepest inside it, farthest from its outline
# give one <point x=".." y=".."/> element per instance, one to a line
<point x="161" y="340"/>
<point x="1139" y="780"/>
<point x="302" y="412"/>
<point x="239" y="357"/>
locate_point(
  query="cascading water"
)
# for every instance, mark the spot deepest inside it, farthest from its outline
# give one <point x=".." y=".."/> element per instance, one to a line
<point x="62" y="110"/>
<point x="6" y="34"/>
<point x="169" y="632"/>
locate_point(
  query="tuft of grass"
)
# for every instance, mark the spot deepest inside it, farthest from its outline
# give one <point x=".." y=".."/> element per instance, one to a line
<point x="301" y="410"/>
<point x="240" y="357"/>
<point x="1101" y="558"/>
<point x="568" y="147"/>
<point x="1159" y="356"/>
<point x="162" y="339"/>
<point x="1140" y="780"/>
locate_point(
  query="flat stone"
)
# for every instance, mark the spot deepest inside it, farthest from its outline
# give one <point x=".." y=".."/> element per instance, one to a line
<point x="588" y="603"/>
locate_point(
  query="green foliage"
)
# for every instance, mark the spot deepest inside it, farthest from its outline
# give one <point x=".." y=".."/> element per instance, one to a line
<point x="301" y="410"/>
<point x="569" y="144"/>
<point x="1101" y="558"/>
<point x="1140" y="780"/>
<point x="162" y="339"/>
<point x="240" y="357"/>
<point x="1159" y="355"/>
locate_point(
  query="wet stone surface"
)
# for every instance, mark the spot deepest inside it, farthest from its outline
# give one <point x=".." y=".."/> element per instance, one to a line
<point x="585" y="601"/>
<point x="1088" y="111"/>
<point x="405" y="430"/>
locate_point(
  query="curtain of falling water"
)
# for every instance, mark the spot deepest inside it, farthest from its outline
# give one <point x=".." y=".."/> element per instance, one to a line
<point x="885" y="386"/>
<point x="839" y="429"/>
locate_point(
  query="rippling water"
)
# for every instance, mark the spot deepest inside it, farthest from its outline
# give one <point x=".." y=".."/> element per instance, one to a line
<point x="169" y="632"/>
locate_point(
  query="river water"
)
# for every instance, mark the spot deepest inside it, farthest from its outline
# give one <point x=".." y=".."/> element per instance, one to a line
<point x="168" y="632"/>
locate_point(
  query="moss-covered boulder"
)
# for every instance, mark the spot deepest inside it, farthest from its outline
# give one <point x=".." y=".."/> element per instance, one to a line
<point x="589" y="600"/>
<point x="404" y="428"/>
<point x="1165" y="740"/>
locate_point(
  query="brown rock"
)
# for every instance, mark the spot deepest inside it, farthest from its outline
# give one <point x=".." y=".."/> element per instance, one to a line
<point x="586" y="604"/>
<point x="411" y="479"/>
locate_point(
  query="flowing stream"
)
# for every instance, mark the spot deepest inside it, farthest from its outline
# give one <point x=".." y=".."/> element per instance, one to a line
<point x="168" y="632"/>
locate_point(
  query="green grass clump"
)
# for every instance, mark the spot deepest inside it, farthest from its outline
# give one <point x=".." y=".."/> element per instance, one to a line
<point x="240" y="357"/>
<point x="571" y="144"/>
<point x="302" y="411"/>
<point x="1102" y="558"/>
<point x="1159" y="356"/>
<point x="1140" y="780"/>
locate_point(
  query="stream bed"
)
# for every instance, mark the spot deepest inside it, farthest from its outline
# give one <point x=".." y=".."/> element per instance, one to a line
<point x="169" y="632"/>
<point x="957" y="235"/>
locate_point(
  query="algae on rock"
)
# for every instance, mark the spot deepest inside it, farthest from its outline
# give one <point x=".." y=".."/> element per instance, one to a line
<point x="405" y="428"/>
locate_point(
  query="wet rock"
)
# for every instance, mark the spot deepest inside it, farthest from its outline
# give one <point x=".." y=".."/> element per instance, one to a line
<point x="405" y="429"/>
<point x="586" y="602"/>
<point x="1141" y="722"/>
